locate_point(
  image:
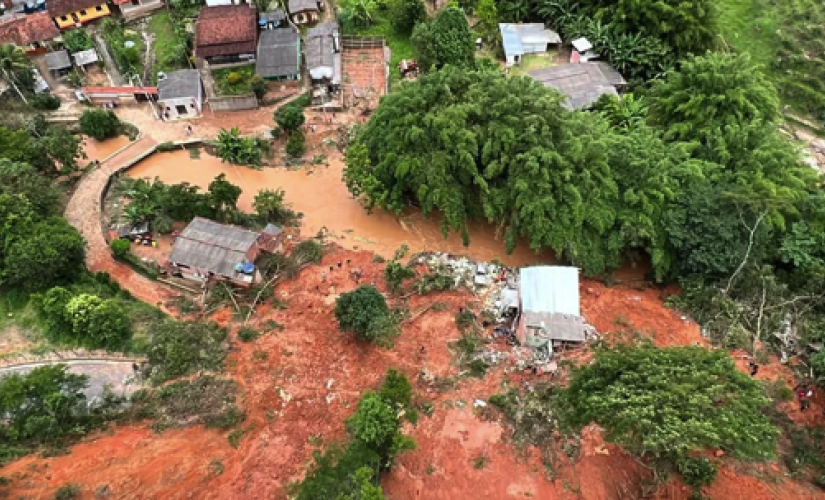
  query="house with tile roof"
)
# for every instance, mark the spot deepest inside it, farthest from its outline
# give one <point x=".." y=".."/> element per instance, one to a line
<point x="226" y="34"/>
<point x="33" y="33"/>
<point x="71" y="13"/>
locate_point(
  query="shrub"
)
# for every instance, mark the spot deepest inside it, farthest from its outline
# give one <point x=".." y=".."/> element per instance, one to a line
<point x="289" y="118"/>
<point x="697" y="471"/>
<point x="208" y="400"/>
<point x="405" y="14"/>
<point x="67" y="492"/>
<point x="395" y="274"/>
<point x="99" y="124"/>
<point x="668" y="402"/>
<point x="258" y="86"/>
<point x="247" y="334"/>
<point x="181" y="348"/>
<point x="295" y="145"/>
<point x="360" y="311"/>
<point x="47" y="102"/>
<point x="120" y="247"/>
<point x="76" y="40"/>
<point x="308" y="251"/>
<point x="234" y="78"/>
<point x="162" y="224"/>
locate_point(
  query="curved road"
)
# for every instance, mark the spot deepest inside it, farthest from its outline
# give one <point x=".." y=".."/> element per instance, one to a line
<point x="117" y="375"/>
<point x="84" y="213"/>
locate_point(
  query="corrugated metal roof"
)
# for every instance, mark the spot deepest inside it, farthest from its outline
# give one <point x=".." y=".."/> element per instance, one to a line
<point x="323" y="62"/>
<point x="179" y="84"/>
<point x="514" y="36"/>
<point x="208" y="245"/>
<point x="581" y="83"/>
<point x="85" y="57"/>
<point x="550" y="289"/>
<point x="221" y="235"/>
<point x="58" y="60"/>
<point x="279" y="53"/>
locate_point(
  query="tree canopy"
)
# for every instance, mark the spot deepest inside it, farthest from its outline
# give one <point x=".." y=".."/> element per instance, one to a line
<point x="445" y="40"/>
<point x="99" y="124"/>
<point x="668" y="402"/>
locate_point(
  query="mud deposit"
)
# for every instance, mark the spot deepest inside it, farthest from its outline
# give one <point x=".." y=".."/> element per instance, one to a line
<point x="301" y="383"/>
<point x="99" y="150"/>
<point x="323" y="198"/>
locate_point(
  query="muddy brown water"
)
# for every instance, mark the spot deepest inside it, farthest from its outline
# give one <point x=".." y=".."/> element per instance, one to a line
<point x="99" y="150"/>
<point x="323" y="198"/>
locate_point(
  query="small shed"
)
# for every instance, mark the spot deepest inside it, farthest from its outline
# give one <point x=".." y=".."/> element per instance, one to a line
<point x="279" y="54"/>
<point x="180" y="94"/>
<point x="550" y="307"/>
<point x="84" y="58"/>
<point x="305" y="11"/>
<point x="525" y="38"/>
<point x="58" y="62"/>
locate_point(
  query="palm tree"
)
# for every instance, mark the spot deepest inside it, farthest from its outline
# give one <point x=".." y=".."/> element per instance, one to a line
<point x="12" y="59"/>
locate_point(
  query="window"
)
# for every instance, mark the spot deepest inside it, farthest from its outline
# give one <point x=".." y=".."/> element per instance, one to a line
<point x="99" y="8"/>
<point x="64" y="18"/>
<point x="82" y="12"/>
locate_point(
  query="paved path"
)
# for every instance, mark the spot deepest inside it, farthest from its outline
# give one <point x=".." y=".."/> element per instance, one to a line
<point x="117" y="375"/>
<point x="84" y="213"/>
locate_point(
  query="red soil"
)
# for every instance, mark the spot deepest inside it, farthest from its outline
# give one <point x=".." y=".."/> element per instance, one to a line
<point x="300" y="384"/>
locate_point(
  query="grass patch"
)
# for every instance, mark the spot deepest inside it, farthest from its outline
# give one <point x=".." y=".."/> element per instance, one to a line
<point x="399" y="44"/>
<point x="165" y="45"/>
<point x="233" y="81"/>
<point x="532" y="62"/>
<point x="749" y="26"/>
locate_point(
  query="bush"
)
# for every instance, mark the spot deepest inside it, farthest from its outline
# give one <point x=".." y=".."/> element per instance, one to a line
<point x="208" y="400"/>
<point x="67" y="492"/>
<point x="46" y="102"/>
<point x="669" y="402"/>
<point x="395" y="274"/>
<point x="697" y="471"/>
<point x="181" y="348"/>
<point x="162" y="224"/>
<point x="405" y="14"/>
<point x="296" y="146"/>
<point x="247" y="334"/>
<point x="234" y="78"/>
<point x="360" y="311"/>
<point x="289" y="118"/>
<point x="99" y="124"/>
<point x="308" y="251"/>
<point x="76" y="40"/>
<point x="120" y="247"/>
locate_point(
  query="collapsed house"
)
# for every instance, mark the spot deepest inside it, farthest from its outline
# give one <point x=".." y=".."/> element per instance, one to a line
<point x="207" y="250"/>
<point x="550" y="314"/>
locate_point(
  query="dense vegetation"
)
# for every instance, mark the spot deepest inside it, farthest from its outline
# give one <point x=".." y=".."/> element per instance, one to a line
<point x="363" y="312"/>
<point x="350" y="471"/>
<point x="99" y="124"/>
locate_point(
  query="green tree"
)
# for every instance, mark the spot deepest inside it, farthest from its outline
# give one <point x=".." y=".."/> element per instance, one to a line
<point x="270" y="207"/>
<point x="52" y="253"/>
<point x="223" y="194"/>
<point x="709" y="93"/>
<point x="445" y="40"/>
<point x="295" y="146"/>
<point x="12" y="61"/>
<point x="45" y="404"/>
<point x="80" y="309"/>
<point x="16" y="145"/>
<point x="16" y="219"/>
<point x="405" y="14"/>
<point x="23" y="179"/>
<point x="77" y="39"/>
<point x="56" y="321"/>
<point x="289" y="118"/>
<point x="109" y="326"/>
<point x="63" y="148"/>
<point x="688" y="27"/>
<point x="99" y="124"/>
<point x="239" y="150"/>
<point x="359" y="310"/>
<point x="375" y="423"/>
<point x="669" y="402"/>
<point x="359" y="13"/>
<point x="479" y="145"/>
<point x="488" y="20"/>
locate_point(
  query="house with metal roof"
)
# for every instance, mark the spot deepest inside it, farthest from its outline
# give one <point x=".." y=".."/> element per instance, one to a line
<point x="323" y="52"/>
<point x="84" y="58"/>
<point x="279" y="54"/>
<point x="305" y="11"/>
<point x="583" y="83"/>
<point x="180" y="94"/>
<point x="519" y="39"/>
<point x="550" y="307"/>
<point x="207" y="250"/>
<point x="58" y="62"/>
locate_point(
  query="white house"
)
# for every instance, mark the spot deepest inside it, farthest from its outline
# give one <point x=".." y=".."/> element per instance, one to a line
<point x="180" y="94"/>
<point x="528" y="38"/>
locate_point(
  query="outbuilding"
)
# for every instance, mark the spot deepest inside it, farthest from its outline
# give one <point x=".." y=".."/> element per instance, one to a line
<point x="550" y="308"/>
<point x="58" y="62"/>
<point x="305" y="11"/>
<point x="525" y="38"/>
<point x="180" y="94"/>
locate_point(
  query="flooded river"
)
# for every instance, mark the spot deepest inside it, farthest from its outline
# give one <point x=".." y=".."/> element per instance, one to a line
<point x="323" y="198"/>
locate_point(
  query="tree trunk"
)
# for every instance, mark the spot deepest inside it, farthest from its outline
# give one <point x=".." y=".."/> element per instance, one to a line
<point x="11" y="81"/>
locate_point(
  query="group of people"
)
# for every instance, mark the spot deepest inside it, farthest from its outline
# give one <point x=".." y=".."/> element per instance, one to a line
<point x="804" y="393"/>
<point x="355" y="273"/>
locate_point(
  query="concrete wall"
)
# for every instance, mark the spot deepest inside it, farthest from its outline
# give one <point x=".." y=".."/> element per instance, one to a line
<point x="168" y="108"/>
<point x="232" y="103"/>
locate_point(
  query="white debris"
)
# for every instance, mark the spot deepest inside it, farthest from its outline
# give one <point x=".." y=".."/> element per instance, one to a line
<point x="479" y="403"/>
<point x="329" y="383"/>
<point x="331" y="397"/>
